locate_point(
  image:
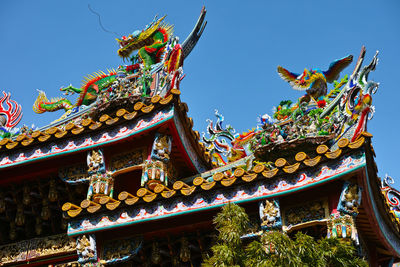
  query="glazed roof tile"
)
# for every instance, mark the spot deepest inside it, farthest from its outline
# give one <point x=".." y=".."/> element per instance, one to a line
<point x="224" y="178"/>
<point x="104" y="120"/>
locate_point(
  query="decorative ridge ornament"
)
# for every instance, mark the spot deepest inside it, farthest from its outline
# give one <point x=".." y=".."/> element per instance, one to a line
<point x="314" y="80"/>
<point x="357" y="103"/>
<point x="156" y="167"/>
<point x="101" y="181"/>
<point x="155" y="70"/>
<point x="10" y="116"/>
<point x="340" y="113"/>
<point x="392" y="196"/>
<point x="92" y="87"/>
<point x="195" y="35"/>
<point x="149" y="42"/>
<point x="218" y="144"/>
<point x="223" y="142"/>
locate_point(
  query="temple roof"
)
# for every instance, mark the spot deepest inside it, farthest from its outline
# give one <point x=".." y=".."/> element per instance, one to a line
<point x="130" y="127"/>
<point x="106" y="118"/>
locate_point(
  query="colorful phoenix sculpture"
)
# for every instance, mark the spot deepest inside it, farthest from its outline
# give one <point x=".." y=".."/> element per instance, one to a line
<point x="341" y="113"/>
<point x="159" y="56"/>
<point x="314" y="81"/>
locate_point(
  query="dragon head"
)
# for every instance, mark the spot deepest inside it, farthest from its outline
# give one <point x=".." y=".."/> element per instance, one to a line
<point x="138" y="39"/>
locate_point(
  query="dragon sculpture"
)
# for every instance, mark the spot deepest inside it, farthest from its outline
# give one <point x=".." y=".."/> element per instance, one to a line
<point x="223" y="142"/>
<point x="355" y="104"/>
<point x="392" y="195"/>
<point x="150" y="42"/>
<point x="314" y="81"/>
<point x="218" y="142"/>
<point x="158" y="51"/>
<point x="92" y="86"/>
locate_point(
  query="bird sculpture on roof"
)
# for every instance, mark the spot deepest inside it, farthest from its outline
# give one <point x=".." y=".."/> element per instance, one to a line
<point x="314" y="81"/>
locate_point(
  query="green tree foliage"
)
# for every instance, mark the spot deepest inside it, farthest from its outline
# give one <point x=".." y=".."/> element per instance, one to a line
<point x="231" y="224"/>
<point x="274" y="248"/>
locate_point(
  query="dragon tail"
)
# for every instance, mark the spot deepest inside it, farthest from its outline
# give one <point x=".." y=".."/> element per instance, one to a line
<point x="39" y="100"/>
<point x="42" y="104"/>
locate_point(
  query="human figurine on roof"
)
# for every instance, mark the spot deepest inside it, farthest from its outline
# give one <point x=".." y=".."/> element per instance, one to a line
<point x="161" y="148"/>
<point x="95" y="161"/>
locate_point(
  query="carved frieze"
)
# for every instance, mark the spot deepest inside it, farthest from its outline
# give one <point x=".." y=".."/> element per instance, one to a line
<point x="74" y="173"/>
<point x="305" y="212"/>
<point x="28" y="250"/>
<point x="120" y="250"/>
<point x="127" y="159"/>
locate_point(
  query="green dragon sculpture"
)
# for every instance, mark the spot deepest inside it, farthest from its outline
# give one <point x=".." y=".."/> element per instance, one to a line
<point x="92" y="86"/>
<point x="150" y="42"/>
<point x="155" y="44"/>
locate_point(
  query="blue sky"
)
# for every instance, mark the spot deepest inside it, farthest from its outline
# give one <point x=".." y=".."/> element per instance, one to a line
<point x="48" y="44"/>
